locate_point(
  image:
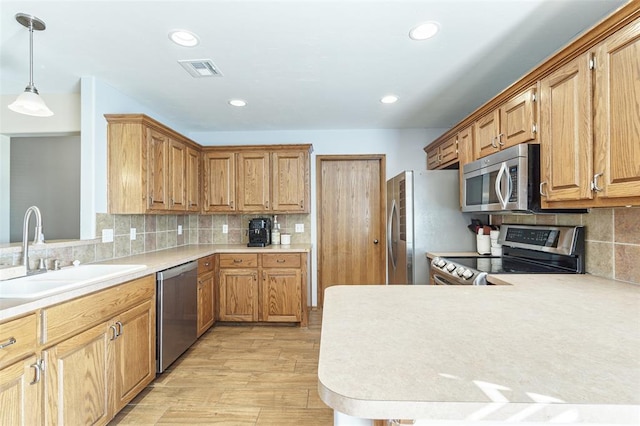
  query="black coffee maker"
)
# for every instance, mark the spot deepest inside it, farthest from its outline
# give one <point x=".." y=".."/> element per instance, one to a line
<point x="259" y="232"/>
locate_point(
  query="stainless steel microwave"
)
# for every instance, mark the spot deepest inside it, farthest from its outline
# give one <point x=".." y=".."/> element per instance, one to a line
<point x="507" y="181"/>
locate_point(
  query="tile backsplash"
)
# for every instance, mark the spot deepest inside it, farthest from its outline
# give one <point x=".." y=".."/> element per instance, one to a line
<point x="612" y="238"/>
<point x="152" y="233"/>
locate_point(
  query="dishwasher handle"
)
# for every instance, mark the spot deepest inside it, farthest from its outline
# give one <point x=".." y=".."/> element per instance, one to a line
<point x="178" y="270"/>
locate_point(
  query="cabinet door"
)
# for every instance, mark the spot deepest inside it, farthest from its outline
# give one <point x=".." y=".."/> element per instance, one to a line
<point x="518" y="119"/>
<point x="289" y="182"/>
<point x="21" y="393"/>
<point x="433" y="158"/>
<point x="177" y="175"/>
<point x="565" y="132"/>
<point x="193" y="180"/>
<point x="77" y="378"/>
<point x="486" y="132"/>
<point x="135" y="352"/>
<point x="449" y="151"/>
<point x="465" y="153"/>
<point x="206" y="302"/>
<point x="238" y="295"/>
<point x="617" y="114"/>
<point x="219" y="183"/>
<point x="157" y="163"/>
<point x="281" y="295"/>
<point x="253" y="182"/>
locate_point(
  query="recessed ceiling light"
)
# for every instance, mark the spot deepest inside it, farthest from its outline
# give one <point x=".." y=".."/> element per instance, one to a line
<point x="424" y="31"/>
<point x="237" y="102"/>
<point x="389" y="99"/>
<point x="184" y="38"/>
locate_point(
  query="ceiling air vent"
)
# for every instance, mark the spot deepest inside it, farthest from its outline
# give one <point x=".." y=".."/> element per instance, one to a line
<point x="200" y="68"/>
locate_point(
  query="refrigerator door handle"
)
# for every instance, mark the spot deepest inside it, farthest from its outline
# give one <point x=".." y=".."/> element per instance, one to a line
<point x="393" y="214"/>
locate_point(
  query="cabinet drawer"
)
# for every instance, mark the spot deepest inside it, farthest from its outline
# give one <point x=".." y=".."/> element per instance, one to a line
<point x="69" y="318"/>
<point x="281" y="260"/>
<point x="205" y="264"/>
<point x="18" y="337"/>
<point x="239" y="260"/>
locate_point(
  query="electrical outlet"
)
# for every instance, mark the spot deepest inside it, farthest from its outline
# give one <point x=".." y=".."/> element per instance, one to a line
<point x="299" y="227"/>
<point x="225" y="229"/>
<point x="132" y="233"/>
<point x="179" y="229"/>
<point x="107" y="235"/>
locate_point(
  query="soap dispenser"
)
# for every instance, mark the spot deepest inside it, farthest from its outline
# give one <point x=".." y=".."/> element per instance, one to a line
<point x="275" y="231"/>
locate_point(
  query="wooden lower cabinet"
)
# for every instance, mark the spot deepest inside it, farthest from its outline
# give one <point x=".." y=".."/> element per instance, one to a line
<point x="21" y="393"/>
<point x="77" y="379"/>
<point x="91" y="356"/>
<point x="238" y="295"/>
<point x="281" y="295"/>
<point x="263" y="287"/>
<point x="206" y="294"/>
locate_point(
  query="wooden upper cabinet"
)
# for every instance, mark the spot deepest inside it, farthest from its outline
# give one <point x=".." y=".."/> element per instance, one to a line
<point x="257" y="179"/>
<point x="289" y="182"/>
<point x="565" y="140"/>
<point x="219" y="183"/>
<point x="511" y="124"/>
<point x="157" y="167"/>
<point x="590" y="146"/>
<point x="149" y="167"/>
<point x="253" y="181"/>
<point x="486" y="134"/>
<point x="466" y="146"/>
<point x="193" y="176"/>
<point x="617" y="115"/>
<point x="177" y="181"/>
<point x="443" y="155"/>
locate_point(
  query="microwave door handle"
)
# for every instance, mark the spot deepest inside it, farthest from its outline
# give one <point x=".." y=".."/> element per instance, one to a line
<point x="509" y="186"/>
<point x="498" y="185"/>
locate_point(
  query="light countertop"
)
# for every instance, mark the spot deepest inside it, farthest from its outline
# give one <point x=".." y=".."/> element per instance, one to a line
<point x="154" y="261"/>
<point x="555" y="345"/>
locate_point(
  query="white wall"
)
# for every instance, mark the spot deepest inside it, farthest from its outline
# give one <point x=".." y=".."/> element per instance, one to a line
<point x="403" y="149"/>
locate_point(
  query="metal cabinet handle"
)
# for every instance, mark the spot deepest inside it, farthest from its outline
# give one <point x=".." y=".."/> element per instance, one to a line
<point x="594" y="182"/>
<point x="237" y="260"/>
<point x="207" y="263"/>
<point x="493" y="142"/>
<point x="231" y="204"/>
<point x="114" y="336"/>
<point x="120" y="328"/>
<point x="302" y="204"/>
<point x="375" y="241"/>
<point x="500" y="139"/>
<point x="9" y="342"/>
<point x="266" y="204"/>
<point x="280" y="260"/>
<point x="38" y="368"/>
<point x="542" y="193"/>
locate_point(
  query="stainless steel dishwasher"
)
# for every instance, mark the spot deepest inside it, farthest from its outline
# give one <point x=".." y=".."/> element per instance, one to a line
<point x="177" y="312"/>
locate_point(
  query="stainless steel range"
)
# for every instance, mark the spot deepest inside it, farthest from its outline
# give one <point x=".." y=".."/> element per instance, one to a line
<point x="526" y="249"/>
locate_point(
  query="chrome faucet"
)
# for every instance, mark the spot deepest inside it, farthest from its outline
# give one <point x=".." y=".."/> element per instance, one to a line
<point x="38" y="238"/>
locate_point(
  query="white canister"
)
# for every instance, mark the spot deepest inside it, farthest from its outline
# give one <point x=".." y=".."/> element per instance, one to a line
<point x="483" y="243"/>
<point x="285" y="239"/>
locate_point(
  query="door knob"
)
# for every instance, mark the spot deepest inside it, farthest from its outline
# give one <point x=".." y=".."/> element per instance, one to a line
<point x="375" y="241"/>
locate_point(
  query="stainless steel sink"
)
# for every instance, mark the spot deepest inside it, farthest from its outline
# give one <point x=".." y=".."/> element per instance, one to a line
<point x="65" y="279"/>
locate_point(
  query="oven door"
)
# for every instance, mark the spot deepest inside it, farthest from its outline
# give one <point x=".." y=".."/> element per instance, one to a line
<point x="496" y="187"/>
<point x="440" y="278"/>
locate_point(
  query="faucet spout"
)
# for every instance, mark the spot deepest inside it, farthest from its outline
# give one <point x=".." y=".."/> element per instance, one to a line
<point x="38" y="238"/>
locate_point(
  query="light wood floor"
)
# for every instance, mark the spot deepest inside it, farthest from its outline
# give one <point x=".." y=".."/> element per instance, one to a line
<point x="239" y="375"/>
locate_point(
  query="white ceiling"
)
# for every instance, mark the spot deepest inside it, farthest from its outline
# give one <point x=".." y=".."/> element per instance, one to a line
<point x="303" y="64"/>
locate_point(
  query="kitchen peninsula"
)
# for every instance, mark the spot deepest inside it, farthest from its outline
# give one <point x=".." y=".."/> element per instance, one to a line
<point x="543" y="348"/>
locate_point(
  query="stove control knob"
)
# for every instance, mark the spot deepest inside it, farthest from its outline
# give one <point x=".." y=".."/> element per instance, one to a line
<point x="441" y="263"/>
<point x="467" y="274"/>
<point x="451" y="267"/>
<point x="460" y="270"/>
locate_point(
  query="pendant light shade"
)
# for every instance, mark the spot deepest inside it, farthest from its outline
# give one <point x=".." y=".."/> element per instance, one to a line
<point x="30" y="102"/>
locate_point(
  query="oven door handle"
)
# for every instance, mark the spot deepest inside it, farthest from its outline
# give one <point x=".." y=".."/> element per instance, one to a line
<point x="438" y="279"/>
<point x="503" y="198"/>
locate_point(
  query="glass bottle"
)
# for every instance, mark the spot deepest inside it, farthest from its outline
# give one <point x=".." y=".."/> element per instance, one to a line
<point x="275" y="231"/>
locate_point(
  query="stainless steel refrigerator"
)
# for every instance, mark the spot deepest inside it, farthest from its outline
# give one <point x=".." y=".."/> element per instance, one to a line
<point x="423" y="215"/>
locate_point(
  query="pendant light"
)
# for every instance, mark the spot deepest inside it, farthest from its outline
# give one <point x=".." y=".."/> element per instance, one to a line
<point x="30" y="102"/>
